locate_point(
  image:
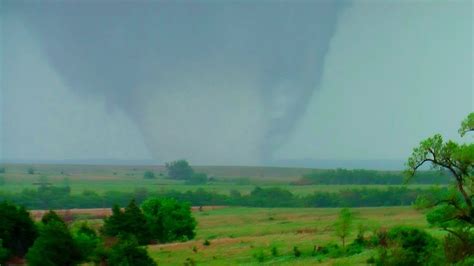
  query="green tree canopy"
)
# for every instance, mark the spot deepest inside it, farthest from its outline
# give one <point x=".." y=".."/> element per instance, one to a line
<point x="169" y="220"/>
<point x="179" y="170"/>
<point x="54" y="246"/>
<point x="343" y="225"/>
<point x="17" y="229"/>
<point x="131" y="221"/>
<point x="454" y="212"/>
<point x="127" y="252"/>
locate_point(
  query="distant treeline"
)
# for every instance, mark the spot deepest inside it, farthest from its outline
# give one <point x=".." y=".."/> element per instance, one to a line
<point x="60" y="198"/>
<point x="366" y="177"/>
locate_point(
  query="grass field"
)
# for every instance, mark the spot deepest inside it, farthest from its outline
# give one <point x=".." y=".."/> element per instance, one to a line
<point x="129" y="178"/>
<point x="236" y="234"/>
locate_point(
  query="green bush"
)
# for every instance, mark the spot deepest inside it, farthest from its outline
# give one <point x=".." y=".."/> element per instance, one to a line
<point x="259" y="255"/>
<point x="127" y="252"/>
<point x="408" y="246"/>
<point x="2" y="170"/>
<point x="17" y="229"/>
<point x="296" y="252"/>
<point x="131" y="221"/>
<point x="206" y="243"/>
<point x="197" y="179"/>
<point x="274" y="251"/>
<point x="149" y="175"/>
<point x="54" y="246"/>
<point x="169" y="220"/>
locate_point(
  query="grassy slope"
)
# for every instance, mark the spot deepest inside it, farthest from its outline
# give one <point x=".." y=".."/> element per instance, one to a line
<point x="237" y="233"/>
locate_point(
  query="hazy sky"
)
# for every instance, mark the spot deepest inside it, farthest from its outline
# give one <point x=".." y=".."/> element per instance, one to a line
<point x="232" y="82"/>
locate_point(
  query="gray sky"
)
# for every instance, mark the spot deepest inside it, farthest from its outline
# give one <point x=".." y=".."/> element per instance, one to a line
<point x="239" y="82"/>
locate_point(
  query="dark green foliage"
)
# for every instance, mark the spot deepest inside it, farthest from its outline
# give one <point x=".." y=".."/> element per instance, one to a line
<point x="54" y="246"/>
<point x="408" y="246"/>
<point x="149" y="175"/>
<point x="365" y="177"/>
<point x="51" y="216"/>
<point x="4" y="253"/>
<point x="17" y="229"/>
<point x="206" y="242"/>
<point x="88" y="243"/>
<point x="179" y="170"/>
<point x="2" y="180"/>
<point x="274" y="251"/>
<point x="131" y="221"/>
<point x="169" y="220"/>
<point x="127" y="252"/>
<point x="2" y="170"/>
<point x="259" y="255"/>
<point x="31" y="171"/>
<point x="296" y="252"/>
<point x="197" y="179"/>
<point x="53" y="197"/>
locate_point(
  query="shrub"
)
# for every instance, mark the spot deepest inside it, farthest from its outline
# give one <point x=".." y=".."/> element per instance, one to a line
<point x="206" y="243"/>
<point x="274" y="251"/>
<point x="259" y="255"/>
<point x="128" y="252"/>
<point x="149" y="175"/>
<point x="408" y="246"/>
<point x="296" y="251"/>
<point x="31" y="171"/>
<point x="197" y="179"/>
<point x="2" y="170"/>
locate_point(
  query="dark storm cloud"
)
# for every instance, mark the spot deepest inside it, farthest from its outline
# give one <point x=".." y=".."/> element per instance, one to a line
<point x="112" y="49"/>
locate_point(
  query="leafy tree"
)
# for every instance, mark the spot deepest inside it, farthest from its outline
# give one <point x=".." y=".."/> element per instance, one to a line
<point x="2" y="170"/>
<point x="131" y="221"/>
<point x="343" y="225"/>
<point x="179" y="170"/>
<point x="149" y="175"/>
<point x="54" y="246"/>
<point x="455" y="211"/>
<point x="88" y="243"/>
<point x="31" y="171"/>
<point x="169" y="219"/>
<point x="17" y="229"/>
<point x="127" y="252"/>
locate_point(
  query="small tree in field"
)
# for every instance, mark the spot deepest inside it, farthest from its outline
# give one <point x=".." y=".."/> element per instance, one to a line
<point x="455" y="211"/>
<point x="343" y="225"/>
<point x="149" y="175"/>
<point x="179" y="170"/>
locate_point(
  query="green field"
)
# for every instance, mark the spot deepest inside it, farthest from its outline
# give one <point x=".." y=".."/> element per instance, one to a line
<point x="129" y="178"/>
<point x="236" y="234"/>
